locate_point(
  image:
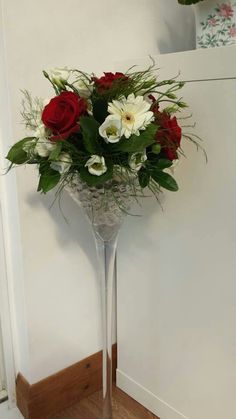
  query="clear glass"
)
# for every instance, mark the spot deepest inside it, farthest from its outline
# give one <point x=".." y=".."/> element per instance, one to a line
<point x="105" y="206"/>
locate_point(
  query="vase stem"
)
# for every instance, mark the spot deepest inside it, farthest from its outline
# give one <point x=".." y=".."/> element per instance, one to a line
<point x="106" y="251"/>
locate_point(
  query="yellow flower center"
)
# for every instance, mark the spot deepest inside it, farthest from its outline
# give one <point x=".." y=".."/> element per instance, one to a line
<point x="128" y="118"/>
<point x="138" y="159"/>
<point x="97" y="166"/>
<point x="112" y="130"/>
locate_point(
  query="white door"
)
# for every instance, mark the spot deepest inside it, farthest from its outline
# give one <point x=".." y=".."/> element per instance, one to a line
<point x="177" y="268"/>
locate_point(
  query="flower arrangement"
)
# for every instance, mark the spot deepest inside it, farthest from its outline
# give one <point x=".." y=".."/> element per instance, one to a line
<point x="98" y="128"/>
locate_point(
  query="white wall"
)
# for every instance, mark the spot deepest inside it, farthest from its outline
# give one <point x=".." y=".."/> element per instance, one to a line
<point x="175" y="26"/>
<point x="176" y="268"/>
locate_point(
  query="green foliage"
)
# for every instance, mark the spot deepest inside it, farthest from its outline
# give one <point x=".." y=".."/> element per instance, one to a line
<point x="93" y="180"/>
<point x="16" y="154"/>
<point x="90" y="127"/>
<point x="163" y="164"/>
<point x="100" y="110"/>
<point x="56" y="152"/>
<point x="31" y="110"/>
<point x="155" y="170"/>
<point x="143" y="177"/>
<point x="137" y="143"/>
<point x="49" y="178"/>
<point x="165" y="180"/>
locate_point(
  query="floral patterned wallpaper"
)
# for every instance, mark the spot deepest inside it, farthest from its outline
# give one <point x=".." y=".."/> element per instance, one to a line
<point x="219" y="26"/>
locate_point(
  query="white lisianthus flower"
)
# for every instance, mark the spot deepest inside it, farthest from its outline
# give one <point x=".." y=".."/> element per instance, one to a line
<point x="96" y="165"/>
<point x="137" y="160"/>
<point x="59" y="76"/>
<point x="44" y="147"/>
<point x="111" y="129"/>
<point x="63" y="164"/>
<point x="89" y="107"/>
<point x="29" y="148"/>
<point x="134" y="113"/>
<point x="84" y="87"/>
<point x="41" y="131"/>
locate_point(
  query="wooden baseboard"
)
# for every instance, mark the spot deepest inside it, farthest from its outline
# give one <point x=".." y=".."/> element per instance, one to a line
<point x="61" y="390"/>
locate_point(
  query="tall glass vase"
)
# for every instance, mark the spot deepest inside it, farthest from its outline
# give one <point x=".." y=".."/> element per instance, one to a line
<point x="105" y="207"/>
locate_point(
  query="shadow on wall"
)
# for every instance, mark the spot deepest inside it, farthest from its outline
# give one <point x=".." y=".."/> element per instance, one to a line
<point x="71" y="223"/>
<point x="175" y="26"/>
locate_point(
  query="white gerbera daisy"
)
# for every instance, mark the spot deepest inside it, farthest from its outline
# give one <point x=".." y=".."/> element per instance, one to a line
<point x="134" y="113"/>
<point x="111" y="129"/>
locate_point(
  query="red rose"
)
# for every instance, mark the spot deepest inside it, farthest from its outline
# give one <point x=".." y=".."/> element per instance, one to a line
<point x="168" y="135"/>
<point x="62" y="113"/>
<point x="105" y="82"/>
<point x="155" y="105"/>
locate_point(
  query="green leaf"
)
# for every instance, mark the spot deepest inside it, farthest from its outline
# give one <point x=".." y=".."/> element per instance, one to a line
<point x="48" y="180"/>
<point x="100" y="110"/>
<point x="143" y="177"/>
<point x="90" y="128"/>
<point x="93" y="180"/>
<point x="56" y="152"/>
<point x="163" y="163"/>
<point x="137" y="142"/>
<point x="16" y="154"/>
<point x="165" y="180"/>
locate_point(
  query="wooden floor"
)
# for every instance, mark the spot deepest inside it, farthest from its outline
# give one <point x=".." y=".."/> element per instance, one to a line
<point x="91" y="408"/>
